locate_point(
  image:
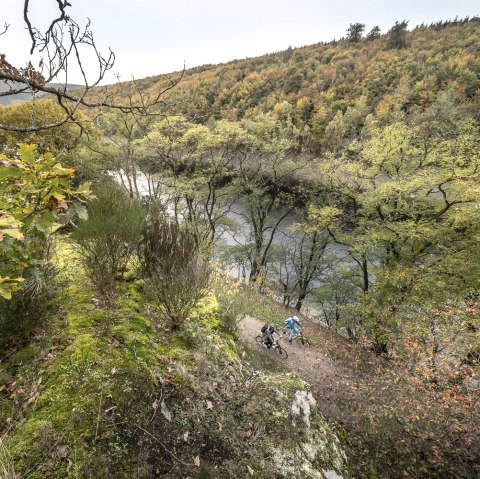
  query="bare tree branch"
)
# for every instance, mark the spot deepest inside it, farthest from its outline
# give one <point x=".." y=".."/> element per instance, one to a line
<point x="61" y="47"/>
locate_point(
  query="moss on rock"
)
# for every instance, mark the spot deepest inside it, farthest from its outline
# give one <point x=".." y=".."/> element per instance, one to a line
<point x="121" y="397"/>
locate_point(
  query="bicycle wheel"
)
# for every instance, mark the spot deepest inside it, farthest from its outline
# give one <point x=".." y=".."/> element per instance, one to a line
<point x="258" y="340"/>
<point x="281" y="352"/>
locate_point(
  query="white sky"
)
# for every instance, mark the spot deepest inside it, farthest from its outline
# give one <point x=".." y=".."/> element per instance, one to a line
<point x="157" y="36"/>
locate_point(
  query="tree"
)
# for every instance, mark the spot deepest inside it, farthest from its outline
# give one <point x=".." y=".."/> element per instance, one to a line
<point x="195" y="164"/>
<point x="122" y="130"/>
<point x="293" y="80"/>
<point x="409" y="197"/>
<point x="307" y="260"/>
<point x="374" y="33"/>
<point x="65" y="137"/>
<point x="338" y="298"/>
<point x="163" y="157"/>
<point x="304" y="110"/>
<point x="397" y="35"/>
<point x="355" y="32"/>
<point x="264" y="178"/>
<point x="335" y="133"/>
<point x="35" y="192"/>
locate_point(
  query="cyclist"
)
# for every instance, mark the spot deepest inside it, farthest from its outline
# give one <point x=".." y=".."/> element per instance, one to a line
<point x="267" y="331"/>
<point x="290" y="326"/>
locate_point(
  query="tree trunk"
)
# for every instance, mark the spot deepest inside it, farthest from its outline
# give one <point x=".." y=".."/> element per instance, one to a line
<point x="365" y="273"/>
<point x="301" y="298"/>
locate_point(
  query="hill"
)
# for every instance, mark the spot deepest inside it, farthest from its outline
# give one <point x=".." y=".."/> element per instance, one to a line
<point x="112" y="393"/>
<point x="327" y="90"/>
<point x="9" y="99"/>
<point x="126" y="353"/>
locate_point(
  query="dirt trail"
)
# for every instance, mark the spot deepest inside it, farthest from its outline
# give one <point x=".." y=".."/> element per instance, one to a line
<point x="311" y="363"/>
<point x="340" y="373"/>
<point x="385" y="412"/>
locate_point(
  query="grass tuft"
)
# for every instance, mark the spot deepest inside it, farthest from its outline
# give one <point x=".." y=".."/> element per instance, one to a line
<point x="7" y="470"/>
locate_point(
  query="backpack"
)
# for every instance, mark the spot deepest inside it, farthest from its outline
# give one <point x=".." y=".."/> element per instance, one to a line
<point x="264" y="328"/>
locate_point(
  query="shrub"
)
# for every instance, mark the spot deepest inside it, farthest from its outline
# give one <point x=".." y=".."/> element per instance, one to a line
<point x="176" y="276"/>
<point x="35" y="192"/>
<point x="30" y="307"/>
<point x="24" y="313"/>
<point x="109" y="236"/>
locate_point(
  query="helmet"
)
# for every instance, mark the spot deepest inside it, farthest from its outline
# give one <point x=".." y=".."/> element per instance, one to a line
<point x="295" y="318"/>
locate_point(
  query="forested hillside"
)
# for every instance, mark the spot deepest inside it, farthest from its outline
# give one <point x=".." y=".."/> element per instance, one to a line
<point x="327" y="90"/>
<point x="364" y="149"/>
<point x="141" y="223"/>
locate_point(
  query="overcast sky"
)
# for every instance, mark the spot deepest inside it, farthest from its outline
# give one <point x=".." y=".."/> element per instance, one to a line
<point x="157" y="36"/>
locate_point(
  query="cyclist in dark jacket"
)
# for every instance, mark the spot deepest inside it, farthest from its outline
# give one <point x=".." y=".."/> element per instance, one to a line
<point x="267" y="331"/>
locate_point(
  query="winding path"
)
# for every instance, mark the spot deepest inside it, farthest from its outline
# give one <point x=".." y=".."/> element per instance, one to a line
<point x="343" y="376"/>
<point x="313" y="364"/>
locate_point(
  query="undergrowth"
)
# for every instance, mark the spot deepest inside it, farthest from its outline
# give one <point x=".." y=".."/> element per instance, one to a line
<point x="115" y="393"/>
<point x="7" y="470"/>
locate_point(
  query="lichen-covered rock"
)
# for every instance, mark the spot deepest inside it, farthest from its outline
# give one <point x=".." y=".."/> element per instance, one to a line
<point x="302" y="405"/>
<point x="309" y="448"/>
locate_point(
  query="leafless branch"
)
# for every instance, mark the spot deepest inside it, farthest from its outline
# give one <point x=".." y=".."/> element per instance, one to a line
<point x="60" y="49"/>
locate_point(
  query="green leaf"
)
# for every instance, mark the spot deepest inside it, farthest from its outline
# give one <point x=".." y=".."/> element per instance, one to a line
<point x="13" y="233"/>
<point x="81" y="211"/>
<point x="9" y="172"/>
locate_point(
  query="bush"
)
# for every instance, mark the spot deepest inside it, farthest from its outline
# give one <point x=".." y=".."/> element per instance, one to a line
<point x="30" y="307"/>
<point x="35" y="192"/>
<point x="109" y="236"/>
<point x="176" y="276"/>
<point x="24" y="313"/>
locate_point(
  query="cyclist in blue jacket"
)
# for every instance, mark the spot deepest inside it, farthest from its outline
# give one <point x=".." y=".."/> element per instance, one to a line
<point x="290" y="326"/>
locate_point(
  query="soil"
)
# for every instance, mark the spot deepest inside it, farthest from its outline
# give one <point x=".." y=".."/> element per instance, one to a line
<point x="312" y="364"/>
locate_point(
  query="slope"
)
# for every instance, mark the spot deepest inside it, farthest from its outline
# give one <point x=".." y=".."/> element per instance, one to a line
<point x="113" y="393"/>
<point x="392" y="425"/>
<point x="327" y="90"/>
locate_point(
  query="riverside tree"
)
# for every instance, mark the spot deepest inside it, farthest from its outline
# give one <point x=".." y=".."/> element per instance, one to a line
<point x="194" y="166"/>
<point x="264" y="181"/>
<point x="305" y="260"/>
<point x="412" y="201"/>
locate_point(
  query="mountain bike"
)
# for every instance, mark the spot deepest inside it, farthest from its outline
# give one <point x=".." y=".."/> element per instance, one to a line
<point x="275" y="348"/>
<point x="297" y="338"/>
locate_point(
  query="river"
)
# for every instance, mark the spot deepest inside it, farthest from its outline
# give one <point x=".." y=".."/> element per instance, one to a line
<point x="232" y="240"/>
